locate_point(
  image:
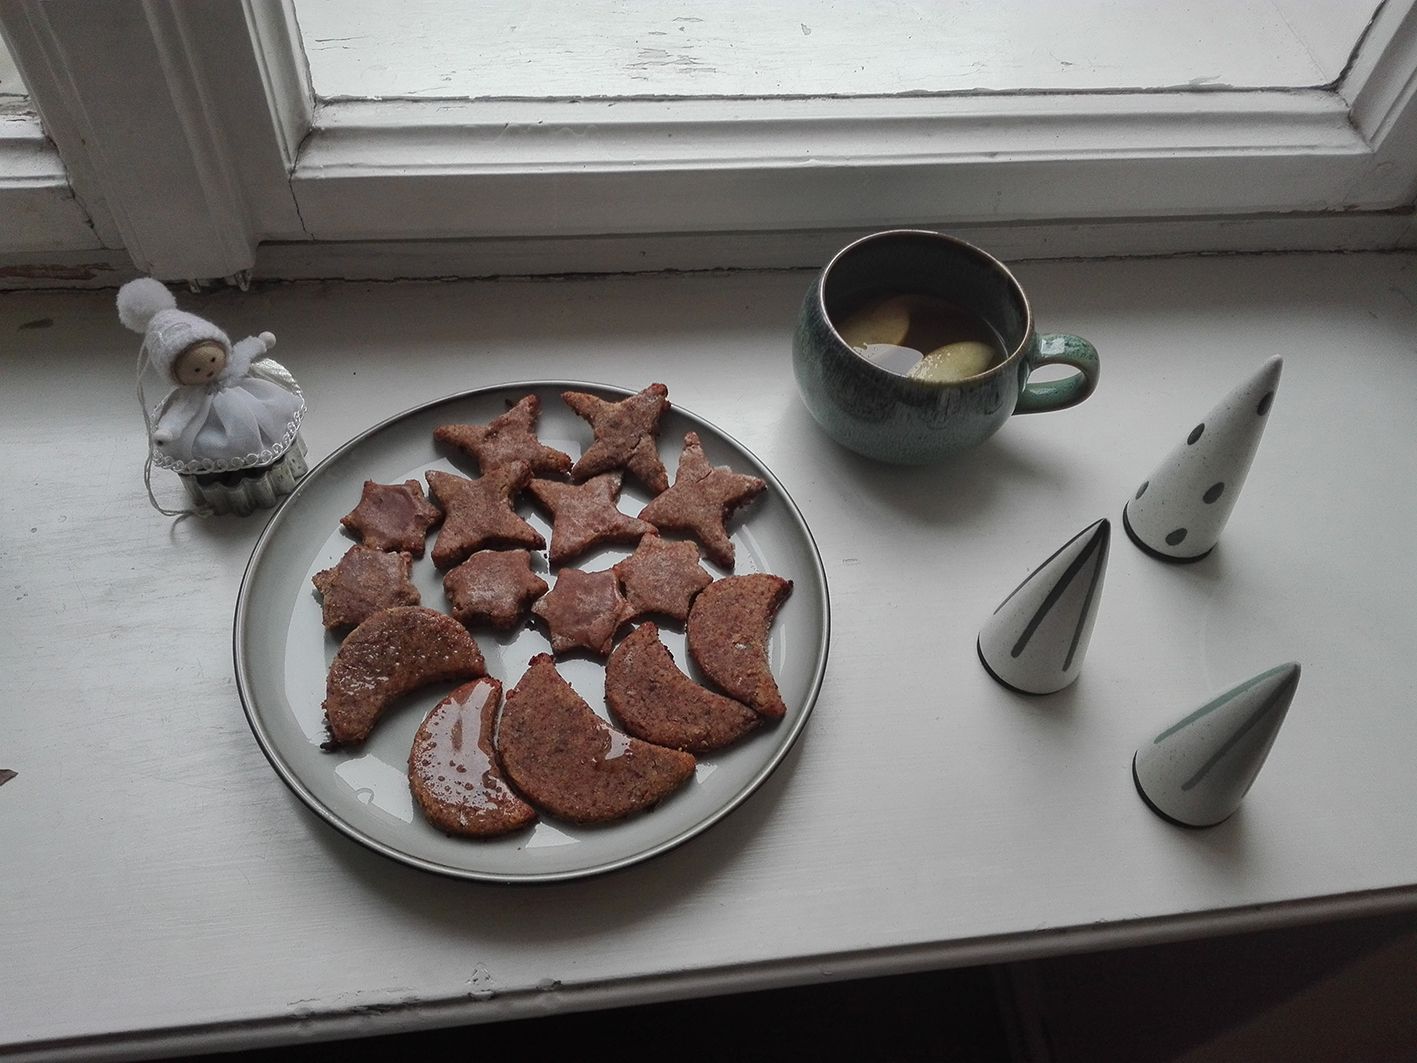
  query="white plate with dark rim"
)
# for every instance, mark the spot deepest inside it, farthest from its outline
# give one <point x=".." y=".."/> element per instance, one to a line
<point x="283" y="653"/>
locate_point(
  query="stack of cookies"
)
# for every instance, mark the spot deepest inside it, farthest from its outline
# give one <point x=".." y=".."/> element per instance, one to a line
<point x="482" y="768"/>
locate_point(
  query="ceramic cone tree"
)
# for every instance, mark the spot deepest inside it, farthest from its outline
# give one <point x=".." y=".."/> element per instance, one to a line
<point x="1036" y="640"/>
<point x="1197" y="770"/>
<point x="1180" y="510"/>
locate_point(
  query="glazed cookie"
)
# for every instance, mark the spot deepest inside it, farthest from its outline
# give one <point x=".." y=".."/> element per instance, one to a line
<point x="662" y="577"/>
<point x="583" y="610"/>
<point x="701" y="501"/>
<point x="364" y="581"/>
<point x="585" y="516"/>
<point x="728" y="637"/>
<point x="453" y="769"/>
<point x="569" y="762"/>
<point x="508" y="438"/>
<point x="494" y="587"/>
<point x="393" y="517"/>
<point x="656" y="701"/>
<point x="479" y="513"/>
<point x="392" y="653"/>
<point x="626" y="435"/>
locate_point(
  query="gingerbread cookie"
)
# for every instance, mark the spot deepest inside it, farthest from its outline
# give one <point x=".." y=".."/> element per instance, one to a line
<point x="393" y="652"/>
<point x="655" y="701"/>
<point x="701" y="501"/>
<point x="494" y="587"/>
<point x="453" y="769"/>
<point x="393" y="517"/>
<point x="583" y="610"/>
<point x="626" y="435"/>
<point x="728" y="637"/>
<point x="585" y="516"/>
<point x="364" y="581"/>
<point x="662" y="577"/>
<point x="478" y="513"/>
<point x="508" y="438"/>
<point x="569" y="762"/>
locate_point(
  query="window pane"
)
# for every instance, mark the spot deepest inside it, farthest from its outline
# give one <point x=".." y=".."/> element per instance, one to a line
<point x="540" y="48"/>
<point x="13" y="94"/>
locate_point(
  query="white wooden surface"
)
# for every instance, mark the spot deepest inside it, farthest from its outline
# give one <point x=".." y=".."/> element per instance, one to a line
<point x="516" y="48"/>
<point x="162" y="890"/>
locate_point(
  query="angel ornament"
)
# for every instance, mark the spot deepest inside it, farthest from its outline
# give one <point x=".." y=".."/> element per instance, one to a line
<point x="228" y="420"/>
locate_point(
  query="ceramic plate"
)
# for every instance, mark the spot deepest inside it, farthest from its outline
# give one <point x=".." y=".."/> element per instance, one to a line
<point x="283" y="652"/>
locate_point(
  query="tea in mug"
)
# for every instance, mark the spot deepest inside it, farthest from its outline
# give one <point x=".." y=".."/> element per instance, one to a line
<point x="923" y="337"/>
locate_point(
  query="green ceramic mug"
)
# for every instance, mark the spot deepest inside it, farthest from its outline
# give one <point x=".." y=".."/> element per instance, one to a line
<point x="895" y="418"/>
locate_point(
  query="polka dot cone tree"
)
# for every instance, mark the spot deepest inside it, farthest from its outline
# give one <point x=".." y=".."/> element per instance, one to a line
<point x="1179" y="511"/>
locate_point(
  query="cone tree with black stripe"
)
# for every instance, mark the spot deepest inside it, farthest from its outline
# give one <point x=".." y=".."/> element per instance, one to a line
<point x="1037" y="638"/>
<point x="1196" y="772"/>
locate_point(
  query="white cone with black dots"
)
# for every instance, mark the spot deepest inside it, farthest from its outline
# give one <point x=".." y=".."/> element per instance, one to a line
<point x="1196" y="772"/>
<point x="1036" y="640"/>
<point x="1179" y="511"/>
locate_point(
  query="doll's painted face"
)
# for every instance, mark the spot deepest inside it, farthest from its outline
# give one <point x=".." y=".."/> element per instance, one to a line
<point x="200" y="363"/>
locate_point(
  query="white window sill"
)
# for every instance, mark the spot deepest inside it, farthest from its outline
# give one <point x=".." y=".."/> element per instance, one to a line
<point x="998" y="828"/>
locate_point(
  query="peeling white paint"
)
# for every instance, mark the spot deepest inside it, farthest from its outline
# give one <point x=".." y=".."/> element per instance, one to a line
<point x="540" y="48"/>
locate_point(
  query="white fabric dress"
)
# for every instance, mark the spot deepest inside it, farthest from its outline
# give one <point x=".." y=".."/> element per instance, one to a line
<point x="243" y="419"/>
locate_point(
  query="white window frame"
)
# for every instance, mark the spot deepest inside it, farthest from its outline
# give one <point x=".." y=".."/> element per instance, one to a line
<point x="233" y="151"/>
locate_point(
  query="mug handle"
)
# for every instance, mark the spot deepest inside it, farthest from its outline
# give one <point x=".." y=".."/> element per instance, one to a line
<point x="1060" y="349"/>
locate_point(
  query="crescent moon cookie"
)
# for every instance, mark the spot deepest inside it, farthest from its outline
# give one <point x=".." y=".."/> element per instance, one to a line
<point x="393" y="652"/>
<point x="364" y="581"/>
<point x="728" y="637"/>
<point x="453" y="769"/>
<point x="585" y="516"/>
<point x="702" y="499"/>
<point x="569" y="762"/>
<point x="505" y="439"/>
<point x="626" y="435"/>
<point x="479" y="513"/>
<point x="655" y="701"/>
<point x="494" y="587"/>
<point x="393" y="517"/>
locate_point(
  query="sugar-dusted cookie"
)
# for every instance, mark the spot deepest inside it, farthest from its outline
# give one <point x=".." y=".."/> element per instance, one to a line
<point x="393" y="517"/>
<point x="364" y="581"/>
<point x="505" y="439"/>
<point x="728" y="637"/>
<point x="583" y="610"/>
<point x="662" y="577"/>
<point x="393" y="652"/>
<point x="494" y="587"/>
<point x="626" y="435"/>
<point x="701" y="501"/>
<point x="453" y="769"/>
<point x="585" y="515"/>
<point x="479" y="513"/>
<point x="569" y="762"/>
<point x="655" y="701"/>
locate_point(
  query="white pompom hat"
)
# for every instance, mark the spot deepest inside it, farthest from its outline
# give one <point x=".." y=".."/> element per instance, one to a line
<point x="145" y="305"/>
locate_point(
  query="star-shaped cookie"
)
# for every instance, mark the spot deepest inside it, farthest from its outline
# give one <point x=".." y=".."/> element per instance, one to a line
<point x="393" y="517"/>
<point x="510" y="437"/>
<point x="585" y="515"/>
<point x="701" y="501"/>
<point x="478" y="513"/>
<point x="626" y="435"/>
<point x="662" y="577"/>
<point x="583" y="610"/>
<point x="494" y="587"/>
<point x="364" y="581"/>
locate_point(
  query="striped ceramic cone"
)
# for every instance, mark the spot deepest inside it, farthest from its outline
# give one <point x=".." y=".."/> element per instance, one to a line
<point x="1180" y="510"/>
<point x="1036" y="640"/>
<point x="1196" y="771"/>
